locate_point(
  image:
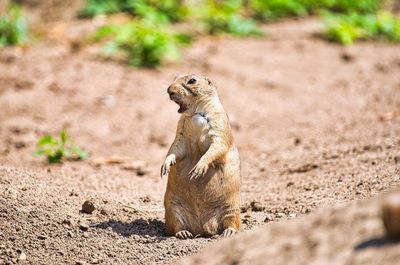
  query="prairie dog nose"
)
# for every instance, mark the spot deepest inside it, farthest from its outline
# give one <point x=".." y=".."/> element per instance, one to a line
<point x="169" y="90"/>
<point x="174" y="96"/>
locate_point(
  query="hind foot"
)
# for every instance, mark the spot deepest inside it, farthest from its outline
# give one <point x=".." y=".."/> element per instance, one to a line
<point x="229" y="232"/>
<point x="184" y="234"/>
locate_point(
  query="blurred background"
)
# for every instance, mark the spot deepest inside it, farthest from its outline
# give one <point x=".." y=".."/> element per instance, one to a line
<point x="311" y="87"/>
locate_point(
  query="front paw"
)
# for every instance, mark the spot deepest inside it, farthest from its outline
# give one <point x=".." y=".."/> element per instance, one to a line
<point x="198" y="171"/>
<point x="166" y="167"/>
<point x="184" y="234"/>
<point x="229" y="232"/>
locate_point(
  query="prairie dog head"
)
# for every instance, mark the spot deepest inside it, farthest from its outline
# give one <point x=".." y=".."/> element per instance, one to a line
<point x="187" y="90"/>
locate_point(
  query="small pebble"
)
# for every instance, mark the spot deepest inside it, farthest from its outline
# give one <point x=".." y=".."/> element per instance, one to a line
<point x="22" y="256"/>
<point x="267" y="219"/>
<point x="88" y="207"/>
<point x="42" y="237"/>
<point x="279" y="215"/>
<point x="84" y="226"/>
<point x="104" y="211"/>
<point x="256" y="206"/>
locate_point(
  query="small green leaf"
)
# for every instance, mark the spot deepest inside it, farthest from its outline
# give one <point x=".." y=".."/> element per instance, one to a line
<point x="79" y="152"/>
<point x="47" y="140"/>
<point x="56" y="157"/>
<point x="38" y="153"/>
<point x="63" y="137"/>
<point x="55" y="149"/>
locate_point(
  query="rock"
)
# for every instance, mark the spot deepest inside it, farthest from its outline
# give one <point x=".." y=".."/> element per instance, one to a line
<point x="248" y="220"/>
<point x="142" y="171"/>
<point x="297" y="141"/>
<point x="145" y="199"/>
<point x="84" y="226"/>
<point x="67" y="222"/>
<point x="19" y="145"/>
<point x="346" y="56"/>
<point x="80" y="262"/>
<point x="88" y="207"/>
<point x="256" y="206"/>
<point x="73" y="192"/>
<point x="303" y="168"/>
<point x="280" y="215"/>
<point x="138" y="166"/>
<point x="22" y="257"/>
<point x="245" y="208"/>
<point x="104" y="211"/>
<point x="391" y="214"/>
<point x="268" y="218"/>
<point x="42" y="237"/>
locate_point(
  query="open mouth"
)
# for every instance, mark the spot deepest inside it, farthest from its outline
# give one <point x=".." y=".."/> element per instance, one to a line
<point x="182" y="107"/>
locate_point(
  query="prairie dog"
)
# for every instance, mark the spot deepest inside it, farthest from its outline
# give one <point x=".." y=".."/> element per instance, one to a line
<point x="203" y="165"/>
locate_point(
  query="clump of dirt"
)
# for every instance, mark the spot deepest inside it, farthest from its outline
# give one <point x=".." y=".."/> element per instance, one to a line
<point x="347" y="234"/>
<point x="88" y="206"/>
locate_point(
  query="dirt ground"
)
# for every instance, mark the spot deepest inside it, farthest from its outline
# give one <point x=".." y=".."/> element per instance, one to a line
<point x="316" y="124"/>
<point x="350" y="234"/>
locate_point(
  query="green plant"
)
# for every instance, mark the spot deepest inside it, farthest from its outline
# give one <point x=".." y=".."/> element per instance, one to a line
<point x="346" y="29"/>
<point x="349" y="6"/>
<point x="225" y="17"/>
<point x="141" y="42"/>
<point x="55" y="149"/>
<point x="274" y="9"/>
<point x="13" y="27"/>
<point x="97" y="7"/>
<point x="167" y="10"/>
<point x="162" y="10"/>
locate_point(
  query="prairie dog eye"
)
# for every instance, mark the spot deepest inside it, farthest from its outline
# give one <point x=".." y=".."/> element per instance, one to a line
<point x="191" y="81"/>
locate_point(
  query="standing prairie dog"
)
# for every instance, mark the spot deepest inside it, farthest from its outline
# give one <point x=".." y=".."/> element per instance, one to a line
<point x="202" y="164"/>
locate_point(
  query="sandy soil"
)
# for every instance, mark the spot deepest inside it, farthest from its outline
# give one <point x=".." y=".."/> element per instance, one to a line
<point x="315" y="123"/>
<point x="345" y="234"/>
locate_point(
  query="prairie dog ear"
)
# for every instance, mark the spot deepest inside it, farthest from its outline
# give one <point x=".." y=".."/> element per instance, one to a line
<point x="176" y="77"/>
<point x="208" y="80"/>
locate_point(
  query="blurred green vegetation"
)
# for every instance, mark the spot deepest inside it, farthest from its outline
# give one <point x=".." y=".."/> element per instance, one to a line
<point x="165" y="10"/>
<point x="269" y="10"/>
<point x="141" y="42"/>
<point x="226" y="17"/>
<point x="274" y="9"/>
<point x="13" y="27"/>
<point x="56" y="149"/>
<point x="97" y="7"/>
<point x="346" y="29"/>
<point x="150" y="39"/>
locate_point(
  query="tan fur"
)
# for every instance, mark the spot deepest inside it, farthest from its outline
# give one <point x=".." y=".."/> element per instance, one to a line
<point x="203" y="165"/>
